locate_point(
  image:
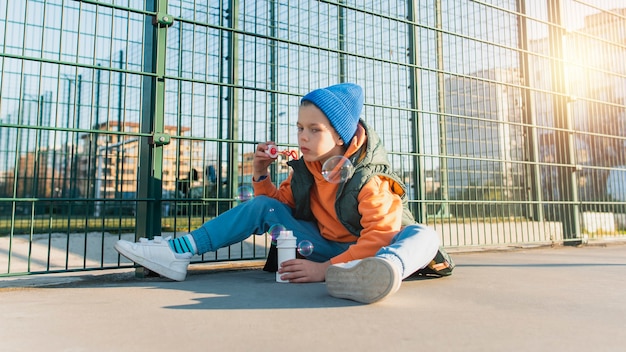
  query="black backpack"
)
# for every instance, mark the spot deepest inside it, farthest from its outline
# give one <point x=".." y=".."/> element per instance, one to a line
<point x="441" y="265"/>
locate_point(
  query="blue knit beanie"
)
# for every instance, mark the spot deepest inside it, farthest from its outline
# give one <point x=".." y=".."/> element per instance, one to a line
<point x="342" y="104"/>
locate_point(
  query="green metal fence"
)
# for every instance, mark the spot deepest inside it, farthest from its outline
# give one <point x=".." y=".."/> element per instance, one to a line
<point x="129" y="118"/>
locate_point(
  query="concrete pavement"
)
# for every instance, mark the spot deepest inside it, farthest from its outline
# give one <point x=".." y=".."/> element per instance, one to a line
<point x="540" y="299"/>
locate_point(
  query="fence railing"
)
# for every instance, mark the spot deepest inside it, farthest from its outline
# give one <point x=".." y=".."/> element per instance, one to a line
<point x="123" y="119"/>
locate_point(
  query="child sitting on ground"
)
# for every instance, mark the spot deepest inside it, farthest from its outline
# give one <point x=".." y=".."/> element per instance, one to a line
<point x="365" y="238"/>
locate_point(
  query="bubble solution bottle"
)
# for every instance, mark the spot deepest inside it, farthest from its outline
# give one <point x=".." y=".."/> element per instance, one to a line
<point x="286" y="246"/>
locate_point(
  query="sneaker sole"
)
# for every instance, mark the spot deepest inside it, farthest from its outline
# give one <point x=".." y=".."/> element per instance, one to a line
<point x="368" y="281"/>
<point x="156" y="267"/>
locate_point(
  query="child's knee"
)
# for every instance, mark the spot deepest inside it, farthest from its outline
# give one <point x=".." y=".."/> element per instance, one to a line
<point x="264" y="202"/>
<point x="424" y="231"/>
<point x="260" y="200"/>
<point x="432" y="235"/>
<point x="428" y="236"/>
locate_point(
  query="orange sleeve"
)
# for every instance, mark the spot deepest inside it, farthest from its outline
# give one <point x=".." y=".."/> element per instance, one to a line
<point x="381" y="218"/>
<point x="283" y="193"/>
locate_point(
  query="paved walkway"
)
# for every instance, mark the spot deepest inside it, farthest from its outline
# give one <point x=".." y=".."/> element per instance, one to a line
<point x="542" y="299"/>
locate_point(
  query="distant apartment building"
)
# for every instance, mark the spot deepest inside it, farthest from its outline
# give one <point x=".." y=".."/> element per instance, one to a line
<point x="485" y="141"/>
<point x="595" y="70"/>
<point x="110" y="161"/>
<point x="483" y="137"/>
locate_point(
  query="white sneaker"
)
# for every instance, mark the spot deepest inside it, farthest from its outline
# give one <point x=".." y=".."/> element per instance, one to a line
<point x="366" y="281"/>
<point x="157" y="256"/>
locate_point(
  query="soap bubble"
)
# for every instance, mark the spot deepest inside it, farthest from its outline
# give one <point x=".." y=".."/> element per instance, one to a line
<point x="275" y="230"/>
<point x="244" y="193"/>
<point x="305" y="248"/>
<point x="337" y="169"/>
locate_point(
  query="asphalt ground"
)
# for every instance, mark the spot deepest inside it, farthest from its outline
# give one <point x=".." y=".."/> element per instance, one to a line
<point x="529" y="299"/>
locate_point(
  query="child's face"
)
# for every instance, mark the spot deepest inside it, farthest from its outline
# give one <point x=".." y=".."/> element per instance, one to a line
<point x="317" y="138"/>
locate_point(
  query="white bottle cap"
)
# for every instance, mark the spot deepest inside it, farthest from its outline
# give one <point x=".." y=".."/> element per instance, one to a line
<point x="286" y="234"/>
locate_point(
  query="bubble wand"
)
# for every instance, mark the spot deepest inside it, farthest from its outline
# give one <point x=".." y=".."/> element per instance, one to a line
<point x="273" y="152"/>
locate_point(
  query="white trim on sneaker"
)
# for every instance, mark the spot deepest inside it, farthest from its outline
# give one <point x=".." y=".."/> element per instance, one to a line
<point x="367" y="281"/>
<point x="156" y="255"/>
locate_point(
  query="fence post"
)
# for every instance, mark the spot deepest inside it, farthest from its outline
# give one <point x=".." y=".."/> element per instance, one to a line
<point x="233" y="98"/>
<point x="564" y="138"/>
<point x="417" y="171"/>
<point x="531" y="147"/>
<point x="444" y="211"/>
<point x="152" y="122"/>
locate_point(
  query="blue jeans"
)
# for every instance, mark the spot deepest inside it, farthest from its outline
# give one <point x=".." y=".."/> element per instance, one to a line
<point x="412" y="248"/>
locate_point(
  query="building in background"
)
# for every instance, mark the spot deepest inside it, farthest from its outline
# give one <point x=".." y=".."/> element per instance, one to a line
<point x="595" y="76"/>
<point x="114" y="158"/>
<point x="484" y="136"/>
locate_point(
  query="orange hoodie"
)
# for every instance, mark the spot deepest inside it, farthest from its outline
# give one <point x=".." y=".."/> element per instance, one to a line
<point x="379" y="206"/>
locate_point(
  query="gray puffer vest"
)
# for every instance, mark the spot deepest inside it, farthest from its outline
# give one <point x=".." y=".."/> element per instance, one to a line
<point x="369" y="161"/>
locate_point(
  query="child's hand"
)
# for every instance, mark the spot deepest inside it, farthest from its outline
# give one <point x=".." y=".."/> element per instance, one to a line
<point x="302" y="270"/>
<point x="261" y="160"/>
